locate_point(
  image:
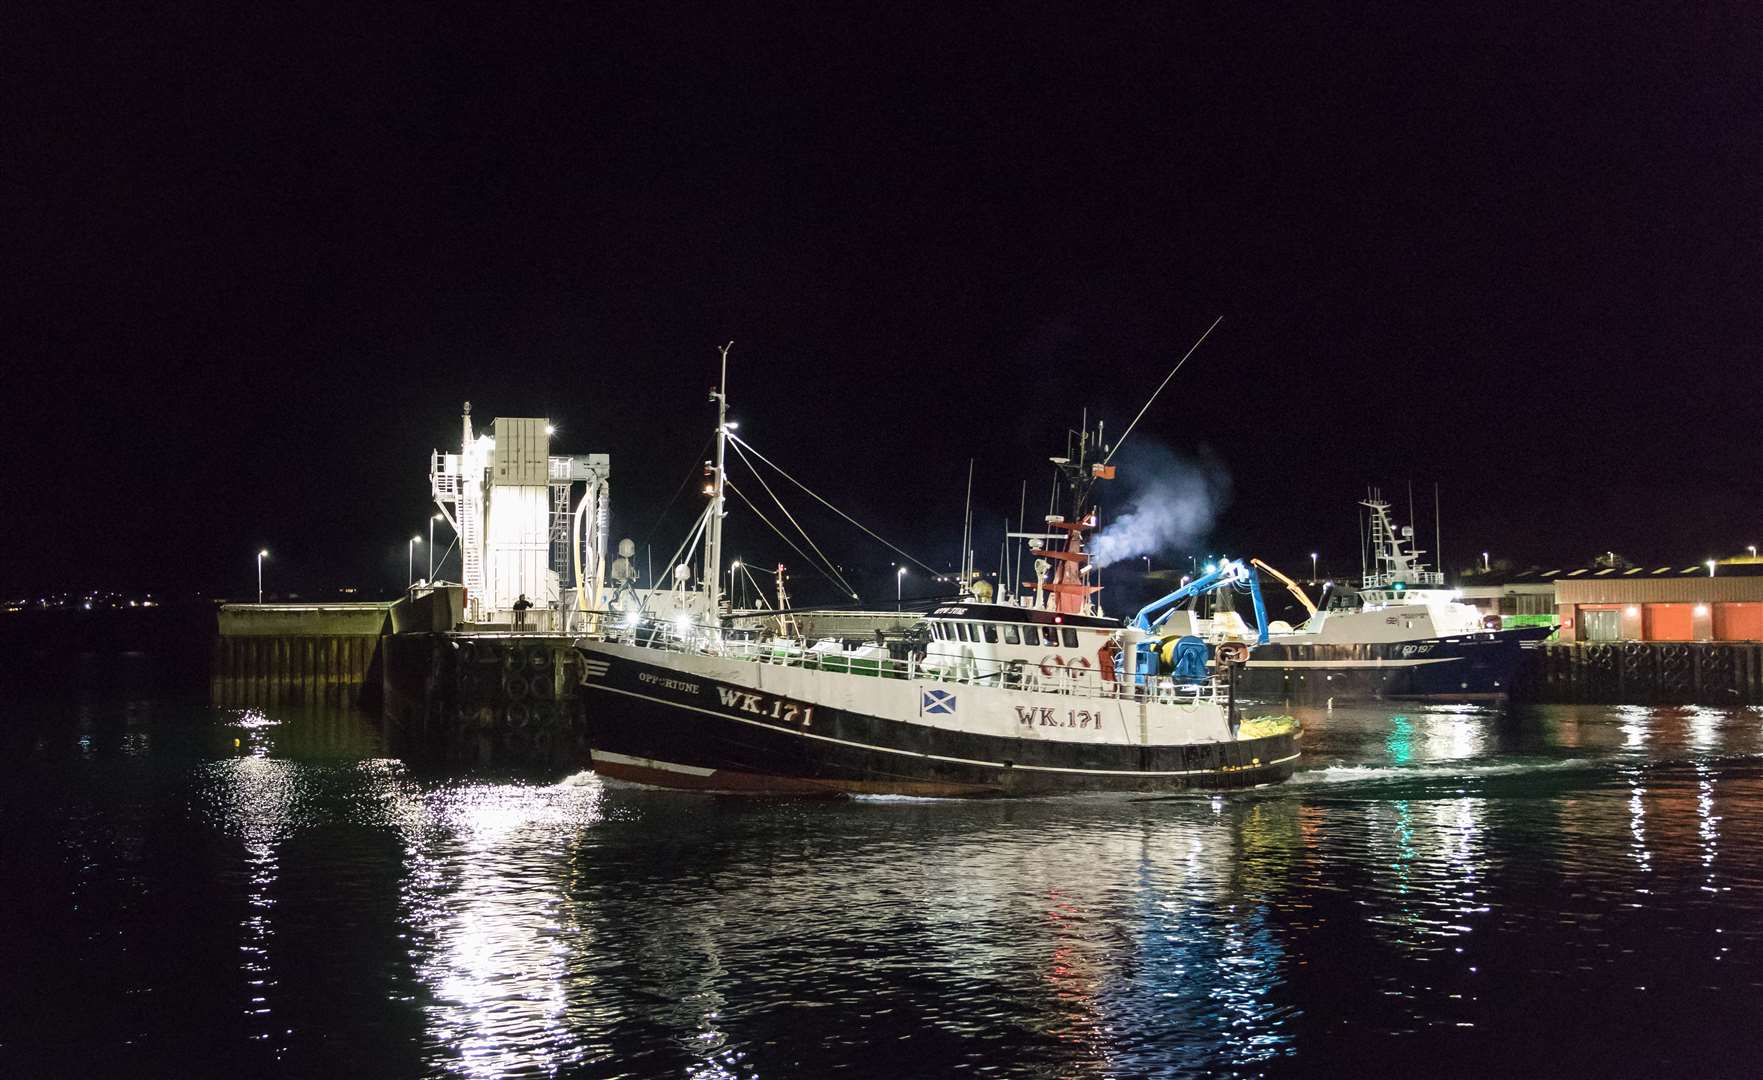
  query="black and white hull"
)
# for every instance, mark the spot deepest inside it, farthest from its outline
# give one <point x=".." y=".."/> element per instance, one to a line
<point x="734" y="724"/>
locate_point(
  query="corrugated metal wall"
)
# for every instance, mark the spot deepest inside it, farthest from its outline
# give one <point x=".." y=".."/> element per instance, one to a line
<point x="1692" y="588"/>
<point x="522" y="452"/>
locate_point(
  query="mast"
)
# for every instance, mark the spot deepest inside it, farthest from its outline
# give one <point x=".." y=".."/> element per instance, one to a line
<point x="713" y="527"/>
<point x="967" y="530"/>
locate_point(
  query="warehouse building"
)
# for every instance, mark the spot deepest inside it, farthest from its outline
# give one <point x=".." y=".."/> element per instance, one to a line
<point x="1662" y="603"/>
<point x="1520" y="598"/>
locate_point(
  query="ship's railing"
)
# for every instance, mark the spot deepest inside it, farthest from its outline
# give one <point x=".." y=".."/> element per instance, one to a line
<point x="1068" y="679"/>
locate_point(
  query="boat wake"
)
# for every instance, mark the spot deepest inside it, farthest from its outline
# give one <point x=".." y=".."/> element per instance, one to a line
<point x="1408" y="774"/>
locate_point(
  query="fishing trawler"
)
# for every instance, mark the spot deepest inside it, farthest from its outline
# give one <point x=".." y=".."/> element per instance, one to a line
<point x="1404" y="634"/>
<point x="1038" y="696"/>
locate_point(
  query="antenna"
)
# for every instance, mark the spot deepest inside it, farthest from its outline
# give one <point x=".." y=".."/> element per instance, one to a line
<point x="1159" y="390"/>
<point x="1438" y="529"/>
<point x="1410" y="501"/>
<point x="967" y="528"/>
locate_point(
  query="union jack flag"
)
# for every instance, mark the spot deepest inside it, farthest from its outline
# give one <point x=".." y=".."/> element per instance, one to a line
<point x="936" y="703"/>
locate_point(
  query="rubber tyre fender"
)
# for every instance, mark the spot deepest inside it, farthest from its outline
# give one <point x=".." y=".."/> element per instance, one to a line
<point x="541" y="686"/>
<point x="518" y="714"/>
<point x="538" y="658"/>
<point x="516" y="688"/>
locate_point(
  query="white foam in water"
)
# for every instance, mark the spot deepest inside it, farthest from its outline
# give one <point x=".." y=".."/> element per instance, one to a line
<point x="580" y="779"/>
<point x="1361" y="774"/>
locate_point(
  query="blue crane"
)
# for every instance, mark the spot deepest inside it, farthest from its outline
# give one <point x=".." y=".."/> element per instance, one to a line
<point x="1229" y="572"/>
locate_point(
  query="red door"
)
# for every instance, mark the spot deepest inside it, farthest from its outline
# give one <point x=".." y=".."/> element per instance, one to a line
<point x="1738" y="622"/>
<point x="1669" y="622"/>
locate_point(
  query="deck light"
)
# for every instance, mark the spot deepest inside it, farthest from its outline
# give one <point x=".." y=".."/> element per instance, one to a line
<point x="549" y="430"/>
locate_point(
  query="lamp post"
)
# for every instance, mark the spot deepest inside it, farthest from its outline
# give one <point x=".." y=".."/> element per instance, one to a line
<point x="1313" y="567"/>
<point x="1710" y="565"/>
<point x="899" y="576"/>
<point x="733" y="568"/>
<point x="261" y="555"/>
<point x="1147" y="559"/>
<point x="1752" y="548"/>
<point x="432" y="519"/>
<point x="1484" y="561"/>
<point x="414" y="540"/>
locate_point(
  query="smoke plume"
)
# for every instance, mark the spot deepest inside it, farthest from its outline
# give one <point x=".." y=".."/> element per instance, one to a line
<point x="1170" y="505"/>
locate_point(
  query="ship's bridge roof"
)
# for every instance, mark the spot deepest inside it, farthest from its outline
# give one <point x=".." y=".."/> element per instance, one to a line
<point x="1010" y="613"/>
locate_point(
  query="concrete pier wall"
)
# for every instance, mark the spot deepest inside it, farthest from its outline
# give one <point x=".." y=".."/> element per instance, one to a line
<point x="257" y="670"/>
<point x="1646" y="673"/>
<point x="277" y="654"/>
<point x="504" y="699"/>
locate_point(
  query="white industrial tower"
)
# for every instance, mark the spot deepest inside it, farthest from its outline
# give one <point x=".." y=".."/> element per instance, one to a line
<point x="529" y="523"/>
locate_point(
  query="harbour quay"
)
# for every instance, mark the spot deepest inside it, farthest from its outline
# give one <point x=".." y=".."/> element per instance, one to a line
<point x="1640" y="635"/>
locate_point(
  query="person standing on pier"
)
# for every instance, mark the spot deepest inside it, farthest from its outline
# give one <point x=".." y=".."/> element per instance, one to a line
<point x="520" y="607"/>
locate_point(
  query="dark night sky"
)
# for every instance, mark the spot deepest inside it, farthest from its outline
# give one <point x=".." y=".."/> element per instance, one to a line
<point x="259" y="257"/>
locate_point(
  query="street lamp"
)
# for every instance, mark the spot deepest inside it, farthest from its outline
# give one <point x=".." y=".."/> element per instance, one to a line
<point x="261" y="555"/>
<point x="1752" y="548"/>
<point x="1484" y="561"/>
<point x="1147" y="559"/>
<point x="1313" y="566"/>
<point x="1710" y="565"/>
<point x="414" y="540"/>
<point x="899" y="576"/>
<point x="432" y="519"/>
<point x="732" y="568"/>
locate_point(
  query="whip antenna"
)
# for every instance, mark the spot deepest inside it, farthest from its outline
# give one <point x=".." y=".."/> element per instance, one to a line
<point x="1159" y="390"/>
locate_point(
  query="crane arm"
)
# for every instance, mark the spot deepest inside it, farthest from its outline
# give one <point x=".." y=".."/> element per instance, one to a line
<point x="1288" y="583"/>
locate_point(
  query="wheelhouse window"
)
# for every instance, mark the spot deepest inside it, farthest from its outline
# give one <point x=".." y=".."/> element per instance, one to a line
<point x="991" y="632"/>
<point x="1049" y="636"/>
<point x="1070" y="635"/>
<point x="1011" y="637"/>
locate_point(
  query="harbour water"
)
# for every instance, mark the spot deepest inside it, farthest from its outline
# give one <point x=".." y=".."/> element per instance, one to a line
<point x="1563" y="890"/>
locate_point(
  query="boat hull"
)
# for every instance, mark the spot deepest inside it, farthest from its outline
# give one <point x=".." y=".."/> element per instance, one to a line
<point x="656" y="725"/>
<point x="1470" y="667"/>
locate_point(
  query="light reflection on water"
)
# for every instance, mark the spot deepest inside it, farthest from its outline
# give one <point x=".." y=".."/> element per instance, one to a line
<point x="1442" y="876"/>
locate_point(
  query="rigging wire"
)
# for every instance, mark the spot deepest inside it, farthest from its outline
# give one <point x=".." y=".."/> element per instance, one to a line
<point x="659" y="518"/>
<point x="781" y="535"/>
<point x="792" y="520"/>
<point x="872" y="535"/>
<point x="692" y="540"/>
